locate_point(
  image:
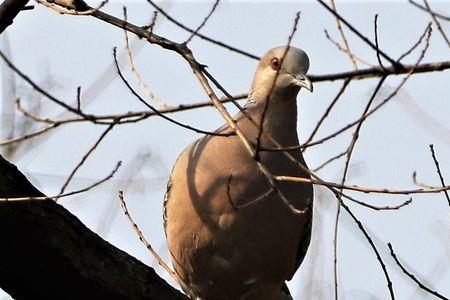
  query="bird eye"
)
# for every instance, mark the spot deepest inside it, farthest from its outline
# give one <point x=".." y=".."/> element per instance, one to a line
<point x="275" y="64"/>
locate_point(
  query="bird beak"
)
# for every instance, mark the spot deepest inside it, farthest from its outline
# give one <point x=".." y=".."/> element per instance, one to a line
<point x="303" y="81"/>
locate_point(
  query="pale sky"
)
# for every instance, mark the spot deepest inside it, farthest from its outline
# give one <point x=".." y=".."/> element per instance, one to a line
<point x="69" y="51"/>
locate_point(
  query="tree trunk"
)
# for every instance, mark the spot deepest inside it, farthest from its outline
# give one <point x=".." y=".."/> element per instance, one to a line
<point x="47" y="253"/>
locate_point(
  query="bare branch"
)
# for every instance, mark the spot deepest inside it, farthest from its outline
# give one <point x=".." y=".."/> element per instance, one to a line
<point x="198" y="71"/>
<point x="414" y="278"/>
<point x="377" y="107"/>
<point x="38" y="88"/>
<point x="204" y="37"/>
<point x="79" y="98"/>
<point x="328" y="110"/>
<point x="205" y="78"/>
<point x="438" y="169"/>
<point x="349" y="153"/>
<point x="438" y="24"/>
<point x="125" y="118"/>
<point x="394" y="63"/>
<point x="85" y="157"/>
<point x="346" y="48"/>
<point x="269" y="95"/>
<point x="75" y="192"/>
<point x="416" y="44"/>
<point x="29" y="135"/>
<point x="156" y="111"/>
<point x="195" y="32"/>
<point x="342" y="49"/>
<point x="82" y="10"/>
<point x="362" y="189"/>
<point x="129" y="56"/>
<point x="374" y="248"/>
<point x="416" y="181"/>
<point x="337" y="156"/>
<point x="440" y="16"/>
<point x="375" y="22"/>
<point x="142" y="238"/>
<point x="379" y="72"/>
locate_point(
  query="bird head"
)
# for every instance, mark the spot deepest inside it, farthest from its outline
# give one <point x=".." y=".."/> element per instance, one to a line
<point x="288" y="66"/>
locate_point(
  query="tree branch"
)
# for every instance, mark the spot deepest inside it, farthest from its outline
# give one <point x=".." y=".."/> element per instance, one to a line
<point x="9" y="10"/>
<point x="50" y="254"/>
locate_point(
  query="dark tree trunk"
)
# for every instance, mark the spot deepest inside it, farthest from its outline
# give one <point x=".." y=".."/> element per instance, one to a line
<point x="9" y="10"/>
<point x="47" y="253"/>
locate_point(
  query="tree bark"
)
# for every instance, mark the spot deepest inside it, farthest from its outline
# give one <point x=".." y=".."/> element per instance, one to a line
<point x="47" y="253"/>
<point x="9" y="10"/>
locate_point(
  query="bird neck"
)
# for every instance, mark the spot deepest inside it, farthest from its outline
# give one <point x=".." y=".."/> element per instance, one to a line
<point x="280" y="118"/>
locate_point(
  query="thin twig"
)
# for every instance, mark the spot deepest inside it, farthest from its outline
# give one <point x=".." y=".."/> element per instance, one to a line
<point x="335" y="246"/>
<point x="416" y="181"/>
<point x="375" y="26"/>
<point x="319" y="181"/>
<point x="269" y="95"/>
<point x="342" y="49"/>
<point x="228" y="96"/>
<point x="85" y="157"/>
<point x="361" y="189"/>
<point x="416" y="44"/>
<point x="344" y="39"/>
<point x="198" y="71"/>
<point x="119" y="163"/>
<point x="229" y="193"/>
<point x="438" y="24"/>
<point x="29" y="135"/>
<point x="394" y="63"/>
<point x="136" y="73"/>
<point x="379" y="72"/>
<point x="374" y="248"/>
<point x="129" y="117"/>
<point x="152" y="22"/>
<point x="37" y="87"/>
<point x="195" y="32"/>
<point x="345" y="128"/>
<point x="82" y="11"/>
<point x="440" y="16"/>
<point x="204" y="37"/>
<point x="349" y="153"/>
<point x="377" y="107"/>
<point x="79" y="98"/>
<point x="142" y="237"/>
<point x="414" y="278"/>
<point x="142" y="33"/>
<point x="328" y="110"/>
<point x="337" y="156"/>
<point x="75" y="192"/>
<point x="263" y="196"/>
<point x="156" y="111"/>
<point x="438" y="169"/>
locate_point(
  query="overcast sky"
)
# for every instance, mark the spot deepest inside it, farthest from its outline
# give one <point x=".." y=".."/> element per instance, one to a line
<point x="63" y="52"/>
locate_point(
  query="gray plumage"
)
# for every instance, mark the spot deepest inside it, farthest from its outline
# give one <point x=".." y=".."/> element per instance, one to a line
<point x="220" y="248"/>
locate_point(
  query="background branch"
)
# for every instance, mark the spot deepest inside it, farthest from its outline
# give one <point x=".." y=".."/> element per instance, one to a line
<point x="414" y="278"/>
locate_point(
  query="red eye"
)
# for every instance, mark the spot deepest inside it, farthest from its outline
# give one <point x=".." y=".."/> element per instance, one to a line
<point x="275" y="64"/>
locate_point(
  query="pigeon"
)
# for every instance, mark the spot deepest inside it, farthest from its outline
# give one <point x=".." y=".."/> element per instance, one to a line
<point x="230" y="235"/>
